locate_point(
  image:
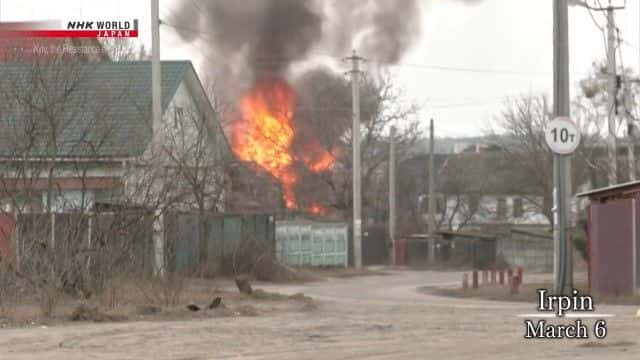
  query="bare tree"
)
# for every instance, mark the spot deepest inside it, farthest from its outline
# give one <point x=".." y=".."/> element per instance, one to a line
<point x="464" y="186"/>
<point x="58" y="136"/>
<point x="326" y="113"/>
<point x="124" y="50"/>
<point x="199" y="160"/>
<point x="521" y="140"/>
<point x="520" y="137"/>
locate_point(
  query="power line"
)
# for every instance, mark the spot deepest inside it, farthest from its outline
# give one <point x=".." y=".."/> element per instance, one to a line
<point x="266" y="59"/>
<point x="463" y="105"/>
<point x="464" y="69"/>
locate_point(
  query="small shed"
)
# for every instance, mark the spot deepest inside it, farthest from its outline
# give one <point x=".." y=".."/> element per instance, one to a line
<point x="451" y="248"/>
<point x="417" y="249"/>
<point x="613" y="230"/>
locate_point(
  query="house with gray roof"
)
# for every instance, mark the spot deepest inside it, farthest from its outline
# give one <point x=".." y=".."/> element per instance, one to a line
<point x="71" y="133"/>
<point x="482" y="190"/>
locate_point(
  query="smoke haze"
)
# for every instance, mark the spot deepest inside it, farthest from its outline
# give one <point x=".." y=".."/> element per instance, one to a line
<point x="246" y="40"/>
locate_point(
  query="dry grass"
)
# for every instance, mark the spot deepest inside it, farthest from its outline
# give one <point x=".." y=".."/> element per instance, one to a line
<point x="151" y="299"/>
<point x="130" y="301"/>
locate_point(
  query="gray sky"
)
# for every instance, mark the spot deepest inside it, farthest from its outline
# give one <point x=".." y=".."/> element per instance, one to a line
<point x="505" y="44"/>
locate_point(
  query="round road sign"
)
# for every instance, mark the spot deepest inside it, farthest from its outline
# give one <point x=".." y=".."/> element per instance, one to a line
<point x="562" y="136"/>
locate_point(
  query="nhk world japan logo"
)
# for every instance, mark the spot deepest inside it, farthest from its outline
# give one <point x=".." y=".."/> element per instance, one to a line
<point x="91" y="28"/>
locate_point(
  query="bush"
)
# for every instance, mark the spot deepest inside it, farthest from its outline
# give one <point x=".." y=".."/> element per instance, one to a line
<point x="580" y="244"/>
<point x="256" y="259"/>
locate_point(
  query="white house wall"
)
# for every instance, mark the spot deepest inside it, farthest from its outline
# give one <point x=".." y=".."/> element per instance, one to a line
<point x="178" y="140"/>
<point x="487" y="212"/>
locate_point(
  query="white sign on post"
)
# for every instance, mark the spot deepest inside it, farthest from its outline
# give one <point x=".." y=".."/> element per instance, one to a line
<point x="562" y="136"/>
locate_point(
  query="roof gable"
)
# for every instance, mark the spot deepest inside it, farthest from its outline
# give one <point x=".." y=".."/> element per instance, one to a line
<point x="89" y="109"/>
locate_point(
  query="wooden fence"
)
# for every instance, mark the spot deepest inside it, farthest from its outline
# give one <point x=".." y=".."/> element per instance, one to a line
<point x="105" y="242"/>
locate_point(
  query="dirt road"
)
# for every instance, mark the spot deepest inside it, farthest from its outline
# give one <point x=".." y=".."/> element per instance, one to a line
<point x="377" y="317"/>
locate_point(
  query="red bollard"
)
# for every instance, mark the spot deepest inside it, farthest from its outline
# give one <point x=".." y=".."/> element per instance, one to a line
<point x="509" y="276"/>
<point x="515" y="284"/>
<point x="485" y="277"/>
<point x="465" y="281"/>
<point x="520" y="271"/>
<point x="493" y="276"/>
<point x="501" y="276"/>
<point x="475" y="279"/>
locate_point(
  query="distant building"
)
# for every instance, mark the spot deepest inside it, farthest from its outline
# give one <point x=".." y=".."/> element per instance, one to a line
<point x="482" y="190"/>
<point x="475" y="189"/>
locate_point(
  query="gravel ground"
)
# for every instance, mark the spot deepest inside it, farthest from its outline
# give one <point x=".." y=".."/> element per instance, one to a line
<point x="374" y="317"/>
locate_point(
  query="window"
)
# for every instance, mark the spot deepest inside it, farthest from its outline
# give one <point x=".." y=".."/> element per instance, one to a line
<point x="518" y="209"/>
<point x="178" y="116"/>
<point x="502" y="208"/>
<point x="69" y="200"/>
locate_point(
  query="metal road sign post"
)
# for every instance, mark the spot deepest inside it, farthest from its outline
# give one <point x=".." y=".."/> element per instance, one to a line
<point x="562" y="136"/>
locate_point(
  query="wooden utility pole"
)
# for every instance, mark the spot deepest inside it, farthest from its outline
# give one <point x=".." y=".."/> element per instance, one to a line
<point x="357" y="176"/>
<point x="563" y="245"/>
<point x="612" y="142"/>
<point x="563" y="262"/>
<point x="392" y="195"/>
<point x="431" y="199"/>
<point x="156" y="93"/>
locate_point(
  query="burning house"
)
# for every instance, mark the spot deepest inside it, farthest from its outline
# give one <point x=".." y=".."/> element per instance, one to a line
<point x="292" y="110"/>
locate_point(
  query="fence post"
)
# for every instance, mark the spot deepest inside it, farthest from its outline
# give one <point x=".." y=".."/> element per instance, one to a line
<point x="520" y="271"/>
<point x="89" y="234"/>
<point x="53" y="230"/>
<point x="346" y="246"/>
<point x="515" y="283"/>
<point x="222" y="222"/>
<point x="501" y="273"/>
<point x="475" y="279"/>
<point x="159" y="243"/>
<point x="16" y="234"/>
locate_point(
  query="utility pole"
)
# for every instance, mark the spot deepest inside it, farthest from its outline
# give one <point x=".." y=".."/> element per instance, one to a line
<point x="357" y="176"/>
<point x="392" y="195"/>
<point x="612" y="148"/>
<point x="612" y="108"/>
<point x="563" y="244"/>
<point x="156" y="93"/>
<point x="431" y="199"/>
<point x="631" y="151"/>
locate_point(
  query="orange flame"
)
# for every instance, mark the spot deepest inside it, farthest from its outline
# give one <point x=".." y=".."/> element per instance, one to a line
<point x="265" y="134"/>
<point x="320" y="162"/>
<point x="317" y="209"/>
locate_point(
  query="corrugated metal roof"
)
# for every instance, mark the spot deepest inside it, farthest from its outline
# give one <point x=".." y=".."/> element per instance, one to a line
<point x="611" y="188"/>
<point x="90" y="109"/>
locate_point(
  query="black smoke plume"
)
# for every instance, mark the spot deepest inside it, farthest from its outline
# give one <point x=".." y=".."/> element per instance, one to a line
<point x="244" y="40"/>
